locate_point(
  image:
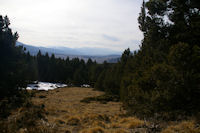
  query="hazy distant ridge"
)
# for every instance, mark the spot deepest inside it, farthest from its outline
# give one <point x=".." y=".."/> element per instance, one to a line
<point x="98" y="54"/>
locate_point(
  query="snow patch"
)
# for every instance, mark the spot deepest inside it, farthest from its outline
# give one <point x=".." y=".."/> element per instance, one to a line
<point x="85" y="85"/>
<point x="45" y="86"/>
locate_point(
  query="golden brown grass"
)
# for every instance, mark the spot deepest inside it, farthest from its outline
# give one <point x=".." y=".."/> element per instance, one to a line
<point x="135" y="124"/>
<point x="183" y="127"/>
<point x="27" y="119"/>
<point x="115" y="125"/>
<point x="69" y="114"/>
<point x="74" y="121"/>
<point x="64" y="113"/>
<point x="132" y="122"/>
<point x="99" y="123"/>
<point x="120" y="131"/>
<point x="94" y="130"/>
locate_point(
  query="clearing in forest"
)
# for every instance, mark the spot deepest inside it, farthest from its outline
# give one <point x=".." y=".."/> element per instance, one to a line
<point x="65" y="113"/>
<point x="68" y="114"/>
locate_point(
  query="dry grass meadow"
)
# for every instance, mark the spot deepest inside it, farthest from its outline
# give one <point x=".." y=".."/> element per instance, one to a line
<point x="66" y="114"/>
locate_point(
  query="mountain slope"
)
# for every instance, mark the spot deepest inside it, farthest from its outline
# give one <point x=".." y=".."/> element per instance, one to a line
<point x="34" y="50"/>
<point x="98" y="54"/>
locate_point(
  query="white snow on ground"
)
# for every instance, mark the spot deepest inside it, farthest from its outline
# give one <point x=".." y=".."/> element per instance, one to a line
<point x="85" y="85"/>
<point x="45" y="86"/>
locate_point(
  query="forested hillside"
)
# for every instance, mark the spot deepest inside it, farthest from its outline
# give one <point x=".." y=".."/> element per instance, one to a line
<point x="18" y="68"/>
<point x="164" y="75"/>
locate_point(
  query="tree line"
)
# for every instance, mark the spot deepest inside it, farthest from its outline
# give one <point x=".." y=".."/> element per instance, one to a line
<point x="75" y="71"/>
<point x="18" y="67"/>
<point x="164" y="74"/>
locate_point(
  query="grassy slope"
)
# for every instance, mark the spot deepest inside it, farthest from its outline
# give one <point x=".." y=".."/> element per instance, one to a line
<point x="69" y="114"/>
<point x="61" y="111"/>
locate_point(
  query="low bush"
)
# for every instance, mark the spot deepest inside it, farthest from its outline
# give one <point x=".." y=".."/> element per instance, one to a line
<point x="183" y="127"/>
<point x="27" y="119"/>
<point x="102" y="98"/>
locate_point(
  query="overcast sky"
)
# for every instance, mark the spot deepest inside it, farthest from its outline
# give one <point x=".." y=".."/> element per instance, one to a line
<point x="75" y="23"/>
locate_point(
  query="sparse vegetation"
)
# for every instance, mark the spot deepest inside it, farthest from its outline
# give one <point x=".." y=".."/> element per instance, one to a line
<point x="120" y="131"/>
<point x="102" y="98"/>
<point x="67" y="113"/>
<point x="73" y="121"/>
<point x="183" y="127"/>
<point x="64" y="112"/>
<point x="132" y="122"/>
<point x="70" y="114"/>
<point x="94" y="130"/>
<point x="27" y="119"/>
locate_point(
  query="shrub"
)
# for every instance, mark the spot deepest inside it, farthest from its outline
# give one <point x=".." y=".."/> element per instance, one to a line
<point x="183" y="127"/>
<point x="102" y="98"/>
<point x="73" y="121"/>
<point x="93" y="130"/>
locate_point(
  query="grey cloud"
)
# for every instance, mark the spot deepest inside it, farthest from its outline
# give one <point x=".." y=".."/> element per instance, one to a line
<point x="75" y="23"/>
<point x="111" y="38"/>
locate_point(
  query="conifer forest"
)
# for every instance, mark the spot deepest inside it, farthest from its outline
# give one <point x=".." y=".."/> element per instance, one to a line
<point x="156" y="84"/>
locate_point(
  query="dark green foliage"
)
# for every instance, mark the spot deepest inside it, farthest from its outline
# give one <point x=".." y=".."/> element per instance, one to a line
<point x="18" y="67"/>
<point x="186" y="60"/>
<point x="142" y="18"/>
<point x="13" y="101"/>
<point x="30" y="118"/>
<point x="164" y="75"/>
<point x="73" y="71"/>
<point x="13" y="64"/>
<point x="102" y="98"/>
<point x="109" y="80"/>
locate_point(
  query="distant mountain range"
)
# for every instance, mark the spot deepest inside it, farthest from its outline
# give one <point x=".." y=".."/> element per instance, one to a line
<point x="98" y="54"/>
